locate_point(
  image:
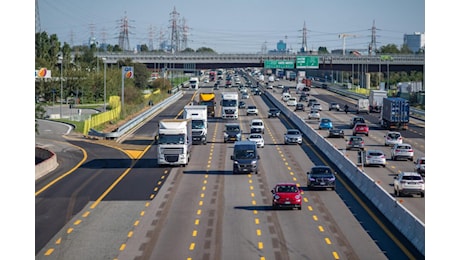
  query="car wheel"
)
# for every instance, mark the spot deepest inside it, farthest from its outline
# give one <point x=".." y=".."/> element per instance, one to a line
<point x="422" y="194"/>
<point x="411" y="159"/>
<point x="300" y="207"/>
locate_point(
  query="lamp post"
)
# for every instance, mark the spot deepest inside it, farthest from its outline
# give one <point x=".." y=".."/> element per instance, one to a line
<point x="105" y="83"/>
<point x="60" y="108"/>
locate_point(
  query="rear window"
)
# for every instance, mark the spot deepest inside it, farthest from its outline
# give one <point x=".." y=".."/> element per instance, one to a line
<point x="412" y="178"/>
<point x="394" y="135"/>
<point x="406" y="147"/>
<point x="375" y="153"/>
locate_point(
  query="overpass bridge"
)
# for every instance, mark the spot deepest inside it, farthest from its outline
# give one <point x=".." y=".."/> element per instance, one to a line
<point x="199" y="61"/>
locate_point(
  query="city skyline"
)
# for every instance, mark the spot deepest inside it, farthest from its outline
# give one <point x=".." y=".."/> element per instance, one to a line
<point x="239" y="27"/>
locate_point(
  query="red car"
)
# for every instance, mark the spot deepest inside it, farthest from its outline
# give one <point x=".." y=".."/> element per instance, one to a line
<point x="361" y="128"/>
<point x="287" y="195"/>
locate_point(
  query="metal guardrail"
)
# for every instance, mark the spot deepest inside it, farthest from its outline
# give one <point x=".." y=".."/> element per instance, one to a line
<point x="135" y="121"/>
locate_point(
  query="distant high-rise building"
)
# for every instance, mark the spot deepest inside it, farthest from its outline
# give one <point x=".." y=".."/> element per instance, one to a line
<point x="415" y="42"/>
<point x="281" y="46"/>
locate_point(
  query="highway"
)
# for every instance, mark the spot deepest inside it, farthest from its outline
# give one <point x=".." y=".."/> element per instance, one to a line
<point x="118" y="204"/>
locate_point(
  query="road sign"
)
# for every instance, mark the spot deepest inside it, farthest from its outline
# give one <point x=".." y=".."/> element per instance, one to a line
<point x="278" y="64"/>
<point x="307" y="62"/>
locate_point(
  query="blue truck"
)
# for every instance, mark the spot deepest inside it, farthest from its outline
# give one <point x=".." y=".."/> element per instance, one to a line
<point x="395" y="113"/>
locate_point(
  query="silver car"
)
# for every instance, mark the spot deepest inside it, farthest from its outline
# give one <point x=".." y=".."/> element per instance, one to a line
<point x="293" y="136"/>
<point x="375" y="158"/>
<point x="392" y="138"/>
<point x="402" y="151"/>
<point x="314" y="114"/>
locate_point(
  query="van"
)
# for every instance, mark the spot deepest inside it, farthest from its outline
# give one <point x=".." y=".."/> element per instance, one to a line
<point x="245" y="157"/>
<point x="286" y="96"/>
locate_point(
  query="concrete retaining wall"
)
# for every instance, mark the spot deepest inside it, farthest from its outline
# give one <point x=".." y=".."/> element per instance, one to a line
<point x="48" y="164"/>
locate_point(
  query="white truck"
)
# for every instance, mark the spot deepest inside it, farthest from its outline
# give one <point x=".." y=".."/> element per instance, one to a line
<point x="229" y="104"/>
<point x="199" y="116"/>
<point x="363" y="106"/>
<point x="194" y="82"/>
<point x="174" y="142"/>
<point x="376" y="100"/>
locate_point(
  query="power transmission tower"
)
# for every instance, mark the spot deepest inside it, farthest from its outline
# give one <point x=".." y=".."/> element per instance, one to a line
<point x="38" y="28"/>
<point x="264" y="48"/>
<point x="123" y="38"/>
<point x="174" y="31"/>
<point x="151" y="36"/>
<point x="304" y="38"/>
<point x="185" y="33"/>
<point x="373" y="44"/>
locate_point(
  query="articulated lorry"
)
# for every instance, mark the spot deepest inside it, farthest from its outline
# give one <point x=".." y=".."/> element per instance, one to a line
<point x="209" y="100"/>
<point x="199" y="116"/>
<point x="395" y="113"/>
<point x="229" y="104"/>
<point x="174" y="142"/>
<point x="376" y="100"/>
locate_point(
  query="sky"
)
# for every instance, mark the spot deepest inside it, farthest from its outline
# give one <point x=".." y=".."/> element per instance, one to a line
<point x="235" y="26"/>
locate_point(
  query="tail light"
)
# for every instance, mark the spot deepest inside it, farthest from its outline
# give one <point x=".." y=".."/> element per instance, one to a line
<point x="382" y="156"/>
<point x="410" y="150"/>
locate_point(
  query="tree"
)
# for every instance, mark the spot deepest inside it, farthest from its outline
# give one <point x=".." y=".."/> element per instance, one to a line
<point x="389" y="49"/>
<point x="323" y="50"/>
<point x="205" y="50"/>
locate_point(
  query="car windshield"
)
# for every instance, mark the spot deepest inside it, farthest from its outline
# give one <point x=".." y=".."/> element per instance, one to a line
<point x="255" y="137"/>
<point x="287" y="188"/>
<point x="245" y="154"/>
<point x="324" y="120"/>
<point x="229" y="103"/>
<point x="293" y="132"/>
<point x="233" y="128"/>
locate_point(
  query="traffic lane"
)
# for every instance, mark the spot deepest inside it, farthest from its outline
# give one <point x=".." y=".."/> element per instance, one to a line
<point x="58" y="203"/>
<point x="293" y="163"/>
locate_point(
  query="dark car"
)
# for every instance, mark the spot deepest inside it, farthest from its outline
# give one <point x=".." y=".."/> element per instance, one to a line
<point x="257" y="92"/>
<point x="286" y="195"/>
<point x="355" y="142"/>
<point x="232" y="133"/>
<point x="321" y="176"/>
<point x="273" y="112"/>
<point x="336" y="133"/>
<point x="303" y="97"/>
<point x="241" y="104"/>
<point x="299" y="107"/>
<point x="245" y="157"/>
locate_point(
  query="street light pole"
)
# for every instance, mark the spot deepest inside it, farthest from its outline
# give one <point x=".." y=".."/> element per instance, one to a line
<point x="105" y="83"/>
<point x="60" y="108"/>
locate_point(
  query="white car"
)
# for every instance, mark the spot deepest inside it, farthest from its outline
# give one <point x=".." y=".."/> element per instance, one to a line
<point x="292" y="101"/>
<point x="392" y="138"/>
<point x="375" y="157"/>
<point x="270" y="87"/>
<point x="409" y="183"/>
<point x="402" y="151"/>
<point x="252" y="110"/>
<point x="314" y="114"/>
<point x="317" y="106"/>
<point x="257" y="126"/>
<point x="258" y="138"/>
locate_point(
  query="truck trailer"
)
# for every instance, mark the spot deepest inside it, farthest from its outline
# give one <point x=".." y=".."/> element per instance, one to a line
<point x="174" y="142"/>
<point x="395" y="113"/>
<point x="376" y="100"/>
<point x="229" y="104"/>
<point x="199" y="116"/>
<point x="208" y="100"/>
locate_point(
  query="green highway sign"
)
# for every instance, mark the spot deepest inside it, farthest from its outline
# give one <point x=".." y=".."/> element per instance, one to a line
<point x="278" y="64"/>
<point x="307" y="62"/>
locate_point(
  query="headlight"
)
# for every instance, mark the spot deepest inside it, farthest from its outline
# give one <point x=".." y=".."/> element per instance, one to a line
<point x="238" y="135"/>
<point x="277" y="197"/>
<point x="225" y="135"/>
<point x="235" y="162"/>
<point x="298" y="197"/>
<point x="254" y="162"/>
